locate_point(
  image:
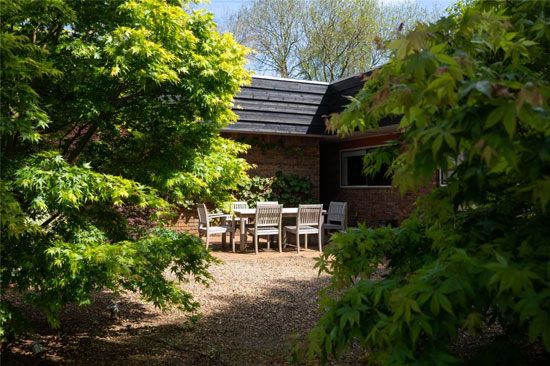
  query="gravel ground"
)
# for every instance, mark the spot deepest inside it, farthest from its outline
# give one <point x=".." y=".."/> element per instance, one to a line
<point x="249" y="313"/>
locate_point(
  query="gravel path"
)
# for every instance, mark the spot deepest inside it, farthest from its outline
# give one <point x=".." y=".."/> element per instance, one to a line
<point x="249" y="313"/>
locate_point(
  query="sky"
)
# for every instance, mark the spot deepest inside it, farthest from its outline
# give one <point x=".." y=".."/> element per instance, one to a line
<point x="222" y="8"/>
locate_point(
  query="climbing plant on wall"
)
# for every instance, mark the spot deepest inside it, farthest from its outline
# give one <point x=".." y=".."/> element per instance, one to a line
<point x="287" y="189"/>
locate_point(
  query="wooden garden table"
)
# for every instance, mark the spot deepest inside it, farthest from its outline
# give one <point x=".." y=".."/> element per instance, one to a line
<point x="250" y="213"/>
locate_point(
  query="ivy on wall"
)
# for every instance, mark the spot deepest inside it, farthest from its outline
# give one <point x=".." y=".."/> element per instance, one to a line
<point x="287" y="189"/>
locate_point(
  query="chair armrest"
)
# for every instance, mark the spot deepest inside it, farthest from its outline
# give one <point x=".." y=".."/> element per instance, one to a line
<point x="213" y="216"/>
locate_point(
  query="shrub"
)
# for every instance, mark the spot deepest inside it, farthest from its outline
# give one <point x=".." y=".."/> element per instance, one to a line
<point x="110" y="116"/>
<point x="472" y="90"/>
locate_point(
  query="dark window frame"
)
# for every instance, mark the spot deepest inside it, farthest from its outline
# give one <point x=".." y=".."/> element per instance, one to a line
<point x="346" y="153"/>
<point x="443" y="178"/>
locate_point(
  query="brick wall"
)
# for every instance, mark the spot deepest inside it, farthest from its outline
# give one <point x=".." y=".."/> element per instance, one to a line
<point x="186" y="220"/>
<point x="288" y="154"/>
<point x="374" y="206"/>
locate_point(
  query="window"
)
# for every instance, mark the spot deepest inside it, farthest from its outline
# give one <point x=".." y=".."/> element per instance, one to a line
<point x="443" y="177"/>
<point x="352" y="171"/>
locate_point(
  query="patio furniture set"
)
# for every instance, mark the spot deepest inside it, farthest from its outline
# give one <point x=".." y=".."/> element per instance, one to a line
<point x="267" y="220"/>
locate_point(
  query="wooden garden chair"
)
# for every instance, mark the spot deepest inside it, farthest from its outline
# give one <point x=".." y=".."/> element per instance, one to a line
<point x="241" y="205"/>
<point x="267" y="222"/>
<point x="308" y="221"/>
<point x="206" y="229"/>
<point x="336" y="216"/>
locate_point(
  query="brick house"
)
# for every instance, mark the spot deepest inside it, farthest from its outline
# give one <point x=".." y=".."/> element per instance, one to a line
<point x="288" y="114"/>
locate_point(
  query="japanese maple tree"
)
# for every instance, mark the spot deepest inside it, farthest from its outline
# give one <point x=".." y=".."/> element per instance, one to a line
<point x="472" y="92"/>
<point x="110" y="116"/>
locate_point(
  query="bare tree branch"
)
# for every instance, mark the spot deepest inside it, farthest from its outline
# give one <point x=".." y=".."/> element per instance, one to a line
<point x="321" y="39"/>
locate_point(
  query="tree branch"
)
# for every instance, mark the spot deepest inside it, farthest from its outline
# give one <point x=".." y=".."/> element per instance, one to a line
<point x="77" y="134"/>
<point x="82" y="143"/>
<point x="48" y="221"/>
<point x="93" y="129"/>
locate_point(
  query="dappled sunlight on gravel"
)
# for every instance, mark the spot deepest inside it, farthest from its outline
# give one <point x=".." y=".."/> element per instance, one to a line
<point x="248" y="314"/>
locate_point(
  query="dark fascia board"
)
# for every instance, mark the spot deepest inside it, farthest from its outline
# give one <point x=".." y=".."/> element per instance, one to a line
<point x="350" y="81"/>
<point x="276" y="129"/>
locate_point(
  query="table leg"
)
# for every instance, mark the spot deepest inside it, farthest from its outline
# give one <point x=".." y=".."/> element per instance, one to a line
<point x="224" y="234"/>
<point x="243" y="234"/>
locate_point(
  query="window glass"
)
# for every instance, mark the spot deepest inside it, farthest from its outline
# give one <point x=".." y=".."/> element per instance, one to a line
<point x="444" y="176"/>
<point x="352" y="170"/>
<point x="355" y="171"/>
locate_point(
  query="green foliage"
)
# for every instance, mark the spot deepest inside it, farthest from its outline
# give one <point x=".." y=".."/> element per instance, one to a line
<point x="209" y="177"/>
<point x="257" y="189"/>
<point x="287" y="189"/>
<point x="110" y="115"/>
<point x="84" y="260"/>
<point x="291" y="189"/>
<point x="472" y="90"/>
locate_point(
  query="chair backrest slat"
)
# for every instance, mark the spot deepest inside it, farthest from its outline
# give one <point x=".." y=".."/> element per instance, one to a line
<point x="268" y="215"/>
<point x="269" y="203"/>
<point x="203" y="215"/>
<point x="337" y="212"/>
<point x="239" y="205"/>
<point x="310" y="214"/>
